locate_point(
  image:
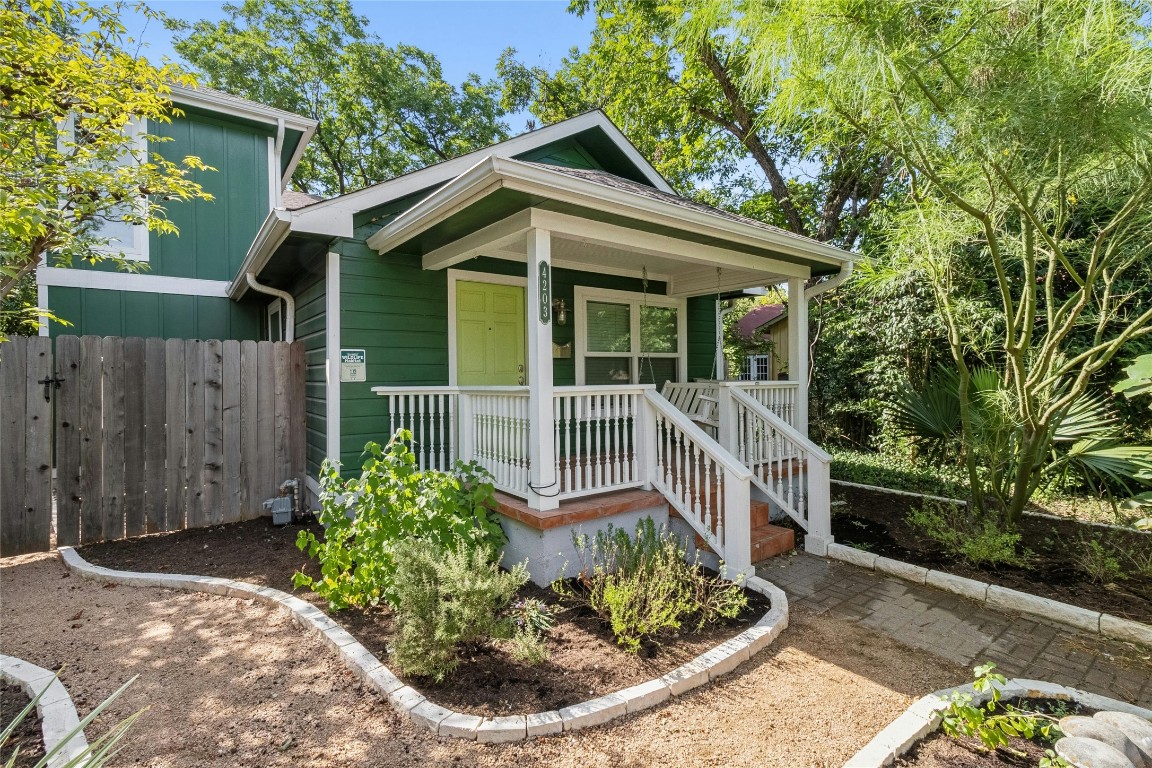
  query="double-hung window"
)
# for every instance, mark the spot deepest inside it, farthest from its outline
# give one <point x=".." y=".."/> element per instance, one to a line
<point x="628" y="338"/>
<point x="123" y="238"/>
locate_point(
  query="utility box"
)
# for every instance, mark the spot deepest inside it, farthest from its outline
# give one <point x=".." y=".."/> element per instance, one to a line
<point x="281" y="508"/>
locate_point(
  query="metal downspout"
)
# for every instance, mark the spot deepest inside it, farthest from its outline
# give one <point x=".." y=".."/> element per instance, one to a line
<point x="289" y="304"/>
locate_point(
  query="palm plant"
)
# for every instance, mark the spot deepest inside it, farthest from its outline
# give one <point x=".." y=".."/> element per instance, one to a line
<point x="1085" y="439"/>
<point x="95" y="755"/>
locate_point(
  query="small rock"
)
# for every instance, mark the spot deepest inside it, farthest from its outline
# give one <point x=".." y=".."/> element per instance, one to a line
<point x="1088" y="753"/>
<point x="1137" y="729"/>
<point x="1091" y="728"/>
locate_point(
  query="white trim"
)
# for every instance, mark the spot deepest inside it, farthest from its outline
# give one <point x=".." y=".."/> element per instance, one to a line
<point x="456" y="275"/>
<point x="583" y="294"/>
<point x="130" y="281"/>
<point x="274" y="308"/>
<point x="434" y="175"/>
<point x="494" y="172"/>
<point x="332" y="355"/>
<point x="273" y="175"/>
<point x="543" y="474"/>
<point x="42" y="303"/>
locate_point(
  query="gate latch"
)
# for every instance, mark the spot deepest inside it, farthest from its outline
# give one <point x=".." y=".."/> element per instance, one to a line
<point x="49" y="384"/>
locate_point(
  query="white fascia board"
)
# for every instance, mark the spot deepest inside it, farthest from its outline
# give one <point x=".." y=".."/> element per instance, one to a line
<point x="494" y="172"/>
<point x="448" y="170"/>
<point x="278" y="224"/>
<point x="130" y="281"/>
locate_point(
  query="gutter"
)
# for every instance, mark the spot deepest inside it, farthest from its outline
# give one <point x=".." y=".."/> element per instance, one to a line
<point x="289" y="304"/>
<point x="275" y="229"/>
<point x="827" y="285"/>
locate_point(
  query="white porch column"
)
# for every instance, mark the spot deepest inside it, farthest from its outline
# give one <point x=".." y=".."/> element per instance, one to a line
<point x="543" y="479"/>
<point x="798" y="349"/>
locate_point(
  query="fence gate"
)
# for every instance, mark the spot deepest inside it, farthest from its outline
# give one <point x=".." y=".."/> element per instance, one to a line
<point x="149" y="434"/>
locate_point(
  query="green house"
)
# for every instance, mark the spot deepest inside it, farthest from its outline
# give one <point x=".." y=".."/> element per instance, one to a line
<point x="547" y="306"/>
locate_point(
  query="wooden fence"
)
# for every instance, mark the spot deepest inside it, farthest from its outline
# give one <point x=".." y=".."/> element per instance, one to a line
<point x="149" y="435"/>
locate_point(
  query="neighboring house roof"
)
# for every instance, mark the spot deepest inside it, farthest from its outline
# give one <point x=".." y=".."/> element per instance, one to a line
<point x="294" y="201"/>
<point x="759" y="317"/>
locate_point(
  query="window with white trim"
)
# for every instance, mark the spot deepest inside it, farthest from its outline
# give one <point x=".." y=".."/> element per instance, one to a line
<point x="629" y="338"/>
<point x="275" y="321"/>
<point x="125" y="239"/>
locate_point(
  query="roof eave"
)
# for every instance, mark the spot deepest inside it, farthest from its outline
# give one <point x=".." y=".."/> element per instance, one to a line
<point x="503" y="172"/>
<point x="278" y="225"/>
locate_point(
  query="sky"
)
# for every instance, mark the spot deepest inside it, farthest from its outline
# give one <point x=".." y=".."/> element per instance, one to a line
<point x="466" y="35"/>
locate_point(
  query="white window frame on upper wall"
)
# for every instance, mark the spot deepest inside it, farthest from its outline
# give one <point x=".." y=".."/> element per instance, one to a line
<point x="138" y="130"/>
<point x="584" y="294"/>
<point x="275" y="314"/>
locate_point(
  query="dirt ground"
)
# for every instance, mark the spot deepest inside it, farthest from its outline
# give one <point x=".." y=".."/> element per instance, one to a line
<point x="27" y="741"/>
<point x="231" y="683"/>
<point x="584" y="660"/>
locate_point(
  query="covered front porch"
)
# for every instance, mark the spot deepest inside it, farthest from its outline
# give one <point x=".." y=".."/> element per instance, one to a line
<point x="606" y="388"/>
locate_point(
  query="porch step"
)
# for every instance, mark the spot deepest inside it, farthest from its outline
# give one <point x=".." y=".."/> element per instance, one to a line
<point x="770" y="540"/>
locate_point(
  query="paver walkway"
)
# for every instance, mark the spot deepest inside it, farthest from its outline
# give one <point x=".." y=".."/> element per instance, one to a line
<point x="964" y="631"/>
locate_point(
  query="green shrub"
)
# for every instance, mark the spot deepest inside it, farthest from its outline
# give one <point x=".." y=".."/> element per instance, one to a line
<point x="975" y="539"/>
<point x="1098" y="562"/>
<point x="392" y="501"/>
<point x="643" y="586"/>
<point x="898" y="473"/>
<point x="448" y="598"/>
<point x="994" y="723"/>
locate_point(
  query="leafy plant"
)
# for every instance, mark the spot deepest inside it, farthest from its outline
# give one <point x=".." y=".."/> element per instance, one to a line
<point x="447" y="598"/>
<point x="392" y="501"/>
<point x="995" y="722"/>
<point x="1099" y="562"/>
<point x="887" y="470"/>
<point x="976" y="538"/>
<point x="97" y="753"/>
<point x="644" y="585"/>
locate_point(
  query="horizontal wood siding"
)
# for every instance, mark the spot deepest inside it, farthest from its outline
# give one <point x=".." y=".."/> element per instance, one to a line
<point x="160" y="315"/>
<point x="311" y="325"/>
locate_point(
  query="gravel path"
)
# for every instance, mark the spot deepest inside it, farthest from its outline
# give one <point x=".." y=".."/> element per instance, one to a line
<point x="231" y="683"/>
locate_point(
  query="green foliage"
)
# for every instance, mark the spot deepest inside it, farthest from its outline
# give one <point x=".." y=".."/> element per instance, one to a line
<point x="898" y="473"/>
<point x="1096" y="560"/>
<point x="975" y="537"/>
<point x="60" y="60"/>
<point x="98" y="752"/>
<point x="644" y="586"/>
<point x="1032" y="229"/>
<point x="1139" y="381"/>
<point x="448" y="598"/>
<point x="995" y="722"/>
<point x="685" y="104"/>
<point x="366" y="518"/>
<point x="383" y="110"/>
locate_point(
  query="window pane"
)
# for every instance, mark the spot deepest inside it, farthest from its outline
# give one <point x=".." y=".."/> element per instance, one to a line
<point x="657" y="370"/>
<point x="609" y="328"/>
<point x="608" y="370"/>
<point x="658" y="329"/>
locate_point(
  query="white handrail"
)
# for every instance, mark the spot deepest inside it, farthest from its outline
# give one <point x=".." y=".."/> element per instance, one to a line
<point x="685" y="424"/>
<point x="778" y="423"/>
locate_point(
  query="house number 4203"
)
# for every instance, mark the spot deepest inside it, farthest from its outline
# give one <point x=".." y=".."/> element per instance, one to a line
<point x="545" y="277"/>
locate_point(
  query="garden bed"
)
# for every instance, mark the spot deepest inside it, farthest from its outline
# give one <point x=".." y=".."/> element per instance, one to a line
<point x="27" y="736"/>
<point x="877" y="522"/>
<point x="584" y="661"/>
<point x="938" y="750"/>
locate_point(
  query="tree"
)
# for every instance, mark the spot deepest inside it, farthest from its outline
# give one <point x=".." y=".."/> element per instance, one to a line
<point x="1023" y="129"/>
<point x="382" y="111"/>
<point x="682" y="98"/>
<point x="70" y="161"/>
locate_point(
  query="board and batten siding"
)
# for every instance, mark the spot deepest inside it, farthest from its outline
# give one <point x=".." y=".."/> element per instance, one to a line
<point x="398" y="313"/>
<point x="212" y="241"/>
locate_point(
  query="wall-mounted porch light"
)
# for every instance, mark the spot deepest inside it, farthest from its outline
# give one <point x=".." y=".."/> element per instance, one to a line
<point x="560" y="311"/>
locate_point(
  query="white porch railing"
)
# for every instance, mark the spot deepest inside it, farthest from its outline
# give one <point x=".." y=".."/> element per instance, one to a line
<point x="697" y="397"/>
<point x="605" y="438"/>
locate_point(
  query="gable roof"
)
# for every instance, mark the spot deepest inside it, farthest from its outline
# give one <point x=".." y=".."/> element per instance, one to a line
<point x="759" y="317"/>
<point x="292" y="200"/>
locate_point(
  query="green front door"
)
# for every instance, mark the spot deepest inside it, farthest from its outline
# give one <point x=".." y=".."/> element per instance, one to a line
<point x="490" y="334"/>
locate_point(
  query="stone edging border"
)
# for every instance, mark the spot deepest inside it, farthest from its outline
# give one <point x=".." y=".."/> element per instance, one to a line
<point x="57" y="714"/>
<point x="999" y="597"/>
<point x="924" y="716"/>
<point x="445" y="722"/>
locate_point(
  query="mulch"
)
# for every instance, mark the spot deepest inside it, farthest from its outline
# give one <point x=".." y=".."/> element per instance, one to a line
<point x="939" y="750"/>
<point x="27" y="737"/>
<point x="584" y="660"/>
<point x="877" y="522"/>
